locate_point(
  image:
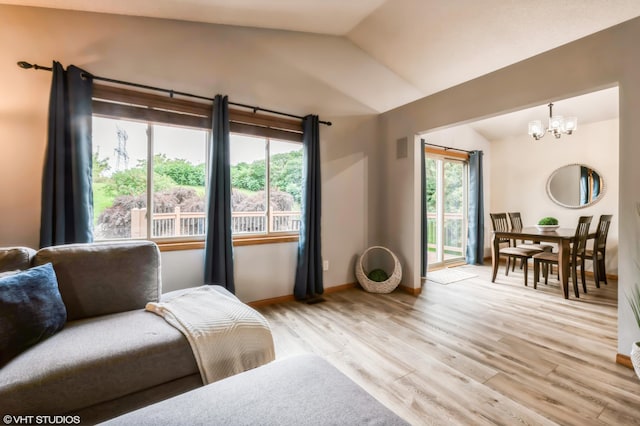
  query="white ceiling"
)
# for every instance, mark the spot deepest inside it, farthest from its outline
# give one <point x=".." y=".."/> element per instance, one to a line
<point x="596" y="106"/>
<point x="336" y="17"/>
<point x="429" y="45"/>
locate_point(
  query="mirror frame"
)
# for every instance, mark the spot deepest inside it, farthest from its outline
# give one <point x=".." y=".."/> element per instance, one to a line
<point x="603" y="187"/>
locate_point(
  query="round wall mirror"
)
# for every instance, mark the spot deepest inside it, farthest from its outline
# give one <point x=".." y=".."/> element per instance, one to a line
<point x="575" y="186"/>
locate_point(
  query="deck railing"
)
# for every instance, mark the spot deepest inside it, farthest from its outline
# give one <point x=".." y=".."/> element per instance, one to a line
<point x="187" y="224"/>
<point x="453" y="229"/>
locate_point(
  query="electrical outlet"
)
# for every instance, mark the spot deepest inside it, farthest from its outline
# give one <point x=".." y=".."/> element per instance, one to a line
<point x="325" y="265"/>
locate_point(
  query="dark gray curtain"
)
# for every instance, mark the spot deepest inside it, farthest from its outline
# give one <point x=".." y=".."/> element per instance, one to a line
<point x="596" y="185"/>
<point x="424" y="236"/>
<point x="218" y="251"/>
<point x="475" y="238"/>
<point x="584" y="185"/>
<point x="67" y="197"/>
<point x="308" y="283"/>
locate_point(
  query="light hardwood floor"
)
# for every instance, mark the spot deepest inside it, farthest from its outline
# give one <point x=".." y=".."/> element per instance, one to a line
<point x="473" y="352"/>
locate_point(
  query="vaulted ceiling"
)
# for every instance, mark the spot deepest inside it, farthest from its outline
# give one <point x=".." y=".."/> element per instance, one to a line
<point x="425" y="45"/>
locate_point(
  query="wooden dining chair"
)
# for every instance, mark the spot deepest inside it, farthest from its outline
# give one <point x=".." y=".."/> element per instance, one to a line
<point x="577" y="256"/>
<point x="597" y="254"/>
<point x="500" y="223"/>
<point x="516" y="224"/>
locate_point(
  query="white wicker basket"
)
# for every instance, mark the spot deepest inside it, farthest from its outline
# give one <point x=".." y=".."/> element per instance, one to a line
<point x="379" y="287"/>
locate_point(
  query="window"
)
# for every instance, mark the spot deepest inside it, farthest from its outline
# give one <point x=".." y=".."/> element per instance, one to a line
<point x="255" y="180"/>
<point x="124" y="154"/>
<point x="150" y="172"/>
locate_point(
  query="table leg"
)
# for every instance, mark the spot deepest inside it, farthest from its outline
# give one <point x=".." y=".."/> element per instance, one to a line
<point x="563" y="265"/>
<point x="495" y="256"/>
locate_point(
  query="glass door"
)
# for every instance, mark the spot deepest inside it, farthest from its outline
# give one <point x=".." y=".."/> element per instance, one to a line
<point x="446" y="188"/>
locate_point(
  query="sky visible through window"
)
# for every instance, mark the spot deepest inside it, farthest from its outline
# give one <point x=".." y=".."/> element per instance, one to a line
<point x="176" y="142"/>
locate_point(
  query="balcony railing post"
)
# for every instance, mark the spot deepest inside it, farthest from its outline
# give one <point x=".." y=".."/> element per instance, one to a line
<point x="138" y="222"/>
<point x="177" y="225"/>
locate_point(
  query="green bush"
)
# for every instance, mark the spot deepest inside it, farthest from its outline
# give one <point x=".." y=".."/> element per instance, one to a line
<point x="285" y="174"/>
<point x="180" y="171"/>
<point x="134" y="182"/>
<point x="548" y="221"/>
<point x="378" y="275"/>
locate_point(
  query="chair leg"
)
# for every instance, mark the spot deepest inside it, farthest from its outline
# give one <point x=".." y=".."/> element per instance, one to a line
<point x="574" y="278"/>
<point x="536" y="272"/>
<point x="602" y="270"/>
<point x="548" y="269"/>
<point x="546" y="273"/>
<point x="506" y="270"/>
<point x="596" y="268"/>
<point x="526" y="268"/>
<point x="584" y="282"/>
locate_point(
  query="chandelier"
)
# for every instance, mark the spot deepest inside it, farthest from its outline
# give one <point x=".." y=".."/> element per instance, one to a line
<point x="558" y="126"/>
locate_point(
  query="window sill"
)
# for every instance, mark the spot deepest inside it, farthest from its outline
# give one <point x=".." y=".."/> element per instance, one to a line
<point x="240" y="241"/>
<point x="180" y="245"/>
<point x="271" y="239"/>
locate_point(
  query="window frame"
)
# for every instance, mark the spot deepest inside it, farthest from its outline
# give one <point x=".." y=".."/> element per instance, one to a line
<point x="137" y="105"/>
<point x="462" y="158"/>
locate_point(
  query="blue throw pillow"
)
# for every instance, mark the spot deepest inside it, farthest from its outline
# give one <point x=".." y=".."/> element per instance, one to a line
<point x="31" y="309"/>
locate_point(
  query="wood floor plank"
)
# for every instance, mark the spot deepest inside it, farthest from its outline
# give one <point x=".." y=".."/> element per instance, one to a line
<point x="473" y="352"/>
<point x="564" y="408"/>
<point x="468" y="403"/>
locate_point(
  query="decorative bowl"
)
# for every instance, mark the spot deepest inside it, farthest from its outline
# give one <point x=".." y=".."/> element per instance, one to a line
<point x="547" y="228"/>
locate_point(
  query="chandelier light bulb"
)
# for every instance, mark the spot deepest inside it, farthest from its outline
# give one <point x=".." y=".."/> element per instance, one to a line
<point x="555" y="123"/>
<point x="570" y="124"/>
<point x="535" y="129"/>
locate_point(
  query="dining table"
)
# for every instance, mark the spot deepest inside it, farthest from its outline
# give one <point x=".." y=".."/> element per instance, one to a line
<point x="563" y="237"/>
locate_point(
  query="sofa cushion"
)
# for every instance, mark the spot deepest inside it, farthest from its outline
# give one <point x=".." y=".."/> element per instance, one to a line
<point x="31" y="310"/>
<point x="95" y="360"/>
<point x="15" y="258"/>
<point x="104" y="278"/>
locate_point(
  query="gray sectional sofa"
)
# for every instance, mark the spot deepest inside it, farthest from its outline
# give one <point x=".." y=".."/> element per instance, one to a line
<point x="111" y="356"/>
<point x="300" y="390"/>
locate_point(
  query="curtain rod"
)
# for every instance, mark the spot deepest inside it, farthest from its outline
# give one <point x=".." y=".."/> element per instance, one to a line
<point x="446" y="148"/>
<point x="27" y="65"/>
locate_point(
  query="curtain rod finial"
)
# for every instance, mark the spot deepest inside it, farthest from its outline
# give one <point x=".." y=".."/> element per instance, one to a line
<point x="25" y="65"/>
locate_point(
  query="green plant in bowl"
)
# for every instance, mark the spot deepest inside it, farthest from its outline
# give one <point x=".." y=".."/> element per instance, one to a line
<point x="548" y="221"/>
<point x="378" y="275"/>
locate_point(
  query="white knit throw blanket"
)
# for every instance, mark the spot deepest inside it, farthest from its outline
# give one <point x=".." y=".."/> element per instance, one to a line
<point x="227" y="336"/>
